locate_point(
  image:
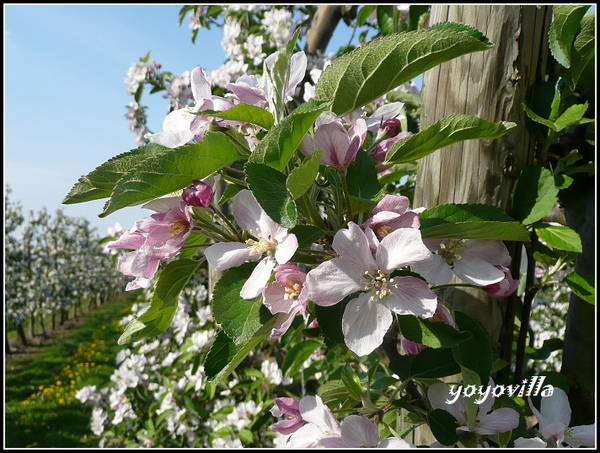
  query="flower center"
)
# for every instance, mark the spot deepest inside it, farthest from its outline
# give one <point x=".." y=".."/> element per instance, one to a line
<point x="382" y="231"/>
<point x="379" y="283"/>
<point x="292" y="290"/>
<point x="262" y="245"/>
<point x="451" y="249"/>
<point x="178" y="226"/>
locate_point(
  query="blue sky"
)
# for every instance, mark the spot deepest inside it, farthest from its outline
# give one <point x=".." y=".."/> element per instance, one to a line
<point x="64" y="96"/>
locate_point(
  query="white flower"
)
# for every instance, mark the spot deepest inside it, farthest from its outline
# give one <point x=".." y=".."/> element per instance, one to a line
<point x="272" y="240"/>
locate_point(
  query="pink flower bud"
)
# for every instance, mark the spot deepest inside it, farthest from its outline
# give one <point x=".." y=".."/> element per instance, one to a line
<point x="198" y="194"/>
<point x="391" y="127"/>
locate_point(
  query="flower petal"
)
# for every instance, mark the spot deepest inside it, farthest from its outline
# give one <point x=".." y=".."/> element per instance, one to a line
<point x="316" y="412"/>
<point x="439" y="393"/>
<point x="400" y="248"/>
<point x="359" y="432"/>
<point x="494" y="252"/>
<point x="352" y="245"/>
<point x="498" y="421"/>
<point x="476" y="271"/>
<point x="394" y="442"/>
<point x="225" y="255"/>
<point x="412" y="297"/>
<point x="333" y="280"/>
<point x="364" y="323"/>
<point x="258" y="279"/>
<point x="436" y="271"/>
<point x="246" y="210"/>
<point x="286" y="248"/>
<point x="581" y="436"/>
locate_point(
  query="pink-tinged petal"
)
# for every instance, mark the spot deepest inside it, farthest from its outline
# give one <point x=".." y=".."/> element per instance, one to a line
<point x="286" y="248"/>
<point x="439" y="393"/>
<point x="534" y="442"/>
<point x="200" y="85"/>
<point x="476" y="271"/>
<point x="365" y="323"/>
<point x="555" y="408"/>
<point x="316" y="412"/>
<point x="138" y="283"/>
<point x="306" y="436"/>
<point x="372" y="239"/>
<point x="258" y="279"/>
<point x="274" y="298"/>
<point x="176" y="129"/>
<point x="436" y="271"/>
<point x="409" y="219"/>
<point x="412" y="297"/>
<point x="400" y="248"/>
<point x="287" y="426"/>
<point x="486" y="405"/>
<point x="333" y="280"/>
<point x="494" y="252"/>
<point x="246" y="210"/>
<point x="394" y="442"/>
<point x="225" y="255"/>
<point x="383" y="113"/>
<point x="332" y="441"/>
<point x="286" y="271"/>
<point x="581" y="436"/>
<point x="285" y="406"/>
<point x="282" y="324"/>
<point x="297" y="71"/>
<point x="128" y="240"/>
<point x="144" y="265"/>
<point x="352" y="245"/>
<point x="554" y="432"/>
<point x="332" y="138"/>
<point x="357" y="134"/>
<point x="503" y="288"/>
<point x="359" y="432"/>
<point x="164" y="205"/>
<point x="307" y="145"/>
<point x="410" y="347"/>
<point x="248" y="90"/>
<point x="125" y="263"/>
<point x="498" y="421"/>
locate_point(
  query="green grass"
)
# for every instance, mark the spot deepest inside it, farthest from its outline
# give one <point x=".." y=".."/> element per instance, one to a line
<point x="40" y="405"/>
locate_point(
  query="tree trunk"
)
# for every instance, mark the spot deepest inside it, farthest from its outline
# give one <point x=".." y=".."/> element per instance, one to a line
<point x="21" y="335"/>
<point x="7" y="349"/>
<point x="321" y="30"/>
<point x="491" y="85"/>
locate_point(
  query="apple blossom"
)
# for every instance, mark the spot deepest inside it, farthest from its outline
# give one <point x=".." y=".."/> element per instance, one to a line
<point x="475" y="261"/>
<point x="389" y="214"/>
<point x="182" y="125"/>
<point x="360" y="432"/>
<point x="319" y="422"/>
<point x="166" y="230"/>
<point x="505" y="287"/>
<point x="554" y="417"/>
<point x="487" y="422"/>
<point x="367" y="317"/>
<point x="271" y="239"/>
<point x="286" y="296"/>
<point x="338" y="145"/>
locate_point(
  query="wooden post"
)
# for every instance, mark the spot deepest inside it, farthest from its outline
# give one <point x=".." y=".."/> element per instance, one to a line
<point x="491" y="85"/>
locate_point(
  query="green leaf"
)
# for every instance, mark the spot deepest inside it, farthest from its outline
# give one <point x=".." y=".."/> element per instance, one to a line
<point x="302" y="178"/>
<point x="270" y="190"/>
<point x="333" y="392"/>
<point x="100" y="182"/>
<point x="368" y="72"/>
<point x="171" y="169"/>
<point x="307" y="234"/>
<point x="297" y="355"/>
<point x="584" y="47"/>
<point x="433" y="334"/>
<point x="158" y="317"/>
<point x="363" y="14"/>
<point x="559" y="237"/>
<point x="572" y="115"/>
<point x="193" y="242"/>
<point x="471" y="221"/>
<point x="278" y="145"/>
<point x="239" y="318"/>
<point x="352" y="382"/>
<point x="443" y="426"/>
<point x="428" y="364"/>
<point x="534" y="194"/>
<point x="449" y="130"/>
<point x="385" y="19"/>
<point x="476" y="352"/>
<point x="364" y="187"/>
<point x="224" y="355"/>
<point x="583" y="285"/>
<point x="244" y="113"/>
<point x="564" y="27"/>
